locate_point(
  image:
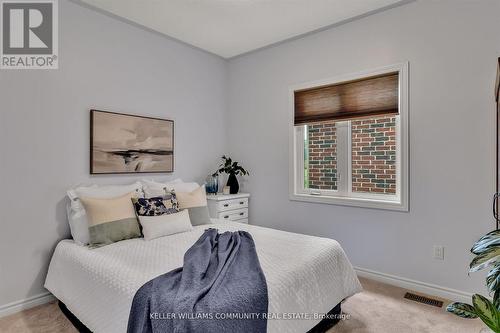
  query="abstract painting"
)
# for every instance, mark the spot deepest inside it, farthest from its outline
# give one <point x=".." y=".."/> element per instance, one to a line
<point x="122" y="143"/>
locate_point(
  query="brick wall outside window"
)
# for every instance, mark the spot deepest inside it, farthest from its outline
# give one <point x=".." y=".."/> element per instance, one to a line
<point x="373" y="156"/>
<point x="322" y="172"/>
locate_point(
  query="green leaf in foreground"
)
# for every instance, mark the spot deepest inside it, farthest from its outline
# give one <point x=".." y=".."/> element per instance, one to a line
<point x="462" y="310"/>
<point x="493" y="278"/>
<point x="496" y="299"/>
<point x="486" y="311"/>
<point x="485" y="243"/>
<point x="484" y="259"/>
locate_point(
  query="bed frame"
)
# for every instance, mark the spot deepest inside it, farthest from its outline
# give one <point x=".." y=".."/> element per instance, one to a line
<point x="321" y="327"/>
<point x="73" y="319"/>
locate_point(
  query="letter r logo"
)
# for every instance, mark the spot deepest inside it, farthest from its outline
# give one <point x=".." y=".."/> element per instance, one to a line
<point x="27" y="27"/>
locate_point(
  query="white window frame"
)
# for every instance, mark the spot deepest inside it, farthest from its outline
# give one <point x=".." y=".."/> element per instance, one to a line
<point x="344" y="195"/>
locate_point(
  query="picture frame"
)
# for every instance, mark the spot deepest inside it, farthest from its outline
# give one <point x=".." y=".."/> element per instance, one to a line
<point x="123" y="143"/>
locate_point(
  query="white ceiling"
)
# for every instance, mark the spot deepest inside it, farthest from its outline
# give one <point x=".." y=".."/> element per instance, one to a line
<point x="232" y="27"/>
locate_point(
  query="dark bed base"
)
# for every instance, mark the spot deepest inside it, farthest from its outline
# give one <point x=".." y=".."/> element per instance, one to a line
<point x="328" y="323"/>
<point x="72" y="318"/>
<point x="322" y="326"/>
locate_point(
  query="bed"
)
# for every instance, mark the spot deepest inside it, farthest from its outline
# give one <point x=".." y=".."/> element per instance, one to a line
<point x="304" y="274"/>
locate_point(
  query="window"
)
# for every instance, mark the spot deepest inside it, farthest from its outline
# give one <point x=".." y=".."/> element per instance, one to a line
<point x="349" y="140"/>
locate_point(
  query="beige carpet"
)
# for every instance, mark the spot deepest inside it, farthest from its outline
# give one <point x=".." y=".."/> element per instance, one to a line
<point x="379" y="308"/>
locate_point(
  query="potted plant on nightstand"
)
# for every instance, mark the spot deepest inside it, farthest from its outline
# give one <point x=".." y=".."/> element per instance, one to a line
<point x="487" y="251"/>
<point x="232" y="169"/>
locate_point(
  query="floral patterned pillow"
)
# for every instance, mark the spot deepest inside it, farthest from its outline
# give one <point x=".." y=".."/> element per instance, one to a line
<point x="156" y="206"/>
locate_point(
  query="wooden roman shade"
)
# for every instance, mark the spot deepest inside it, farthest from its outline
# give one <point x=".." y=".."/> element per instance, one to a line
<point x="372" y="96"/>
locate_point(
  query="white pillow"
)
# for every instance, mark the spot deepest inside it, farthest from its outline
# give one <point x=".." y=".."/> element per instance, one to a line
<point x="77" y="217"/>
<point x="78" y="224"/>
<point x="164" y="225"/>
<point x="104" y="191"/>
<point x="156" y="189"/>
<point x="185" y="187"/>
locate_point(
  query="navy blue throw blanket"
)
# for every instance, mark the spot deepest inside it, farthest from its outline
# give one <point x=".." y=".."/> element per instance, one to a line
<point x="221" y="288"/>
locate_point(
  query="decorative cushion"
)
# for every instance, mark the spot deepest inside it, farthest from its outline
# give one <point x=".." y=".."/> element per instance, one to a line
<point x="196" y="204"/>
<point x="156" y="206"/>
<point x="111" y="220"/>
<point x="164" y="225"/>
<point x="77" y="216"/>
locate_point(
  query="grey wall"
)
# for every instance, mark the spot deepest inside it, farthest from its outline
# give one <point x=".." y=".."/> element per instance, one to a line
<point x="452" y="48"/>
<point x="44" y="125"/>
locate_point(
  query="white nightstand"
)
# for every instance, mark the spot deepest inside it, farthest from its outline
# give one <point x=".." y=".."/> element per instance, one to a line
<point x="231" y="207"/>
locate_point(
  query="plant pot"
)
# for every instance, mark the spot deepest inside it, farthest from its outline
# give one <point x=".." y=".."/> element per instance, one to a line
<point x="233" y="184"/>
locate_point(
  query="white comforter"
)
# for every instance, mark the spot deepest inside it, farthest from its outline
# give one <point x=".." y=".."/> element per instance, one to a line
<point x="304" y="274"/>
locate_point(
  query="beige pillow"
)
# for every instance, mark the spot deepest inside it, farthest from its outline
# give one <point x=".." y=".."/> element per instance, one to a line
<point x="196" y="204"/>
<point x="196" y="198"/>
<point x="111" y="220"/>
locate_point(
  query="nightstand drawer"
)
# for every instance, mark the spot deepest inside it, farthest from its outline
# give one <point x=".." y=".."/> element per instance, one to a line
<point x="234" y="215"/>
<point x="232" y="204"/>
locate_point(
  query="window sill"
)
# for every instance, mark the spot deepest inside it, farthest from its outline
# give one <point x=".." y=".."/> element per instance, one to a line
<point x="353" y="202"/>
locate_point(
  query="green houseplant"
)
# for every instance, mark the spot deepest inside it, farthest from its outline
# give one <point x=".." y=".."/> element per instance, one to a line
<point x="487" y="251"/>
<point x="232" y="169"/>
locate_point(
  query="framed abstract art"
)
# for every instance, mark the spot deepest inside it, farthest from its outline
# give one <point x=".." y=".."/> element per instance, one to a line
<point x="124" y="143"/>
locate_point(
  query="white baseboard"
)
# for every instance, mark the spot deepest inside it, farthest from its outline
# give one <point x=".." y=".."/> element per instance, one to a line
<point x="422" y="287"/>
<point x="25" y="304"/>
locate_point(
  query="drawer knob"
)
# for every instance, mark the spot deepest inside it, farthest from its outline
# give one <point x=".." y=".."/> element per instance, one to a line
<point x="226" y="205"/>
<point x="226" y="217"/>
<point x="242" y="202"/>
<point x="242" y="214"/>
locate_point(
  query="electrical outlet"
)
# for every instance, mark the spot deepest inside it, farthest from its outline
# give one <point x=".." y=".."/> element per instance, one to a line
<point x="438" y="252"/>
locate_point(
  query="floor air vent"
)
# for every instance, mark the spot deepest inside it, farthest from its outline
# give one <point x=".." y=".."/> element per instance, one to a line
<point x="424" y="300"/>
